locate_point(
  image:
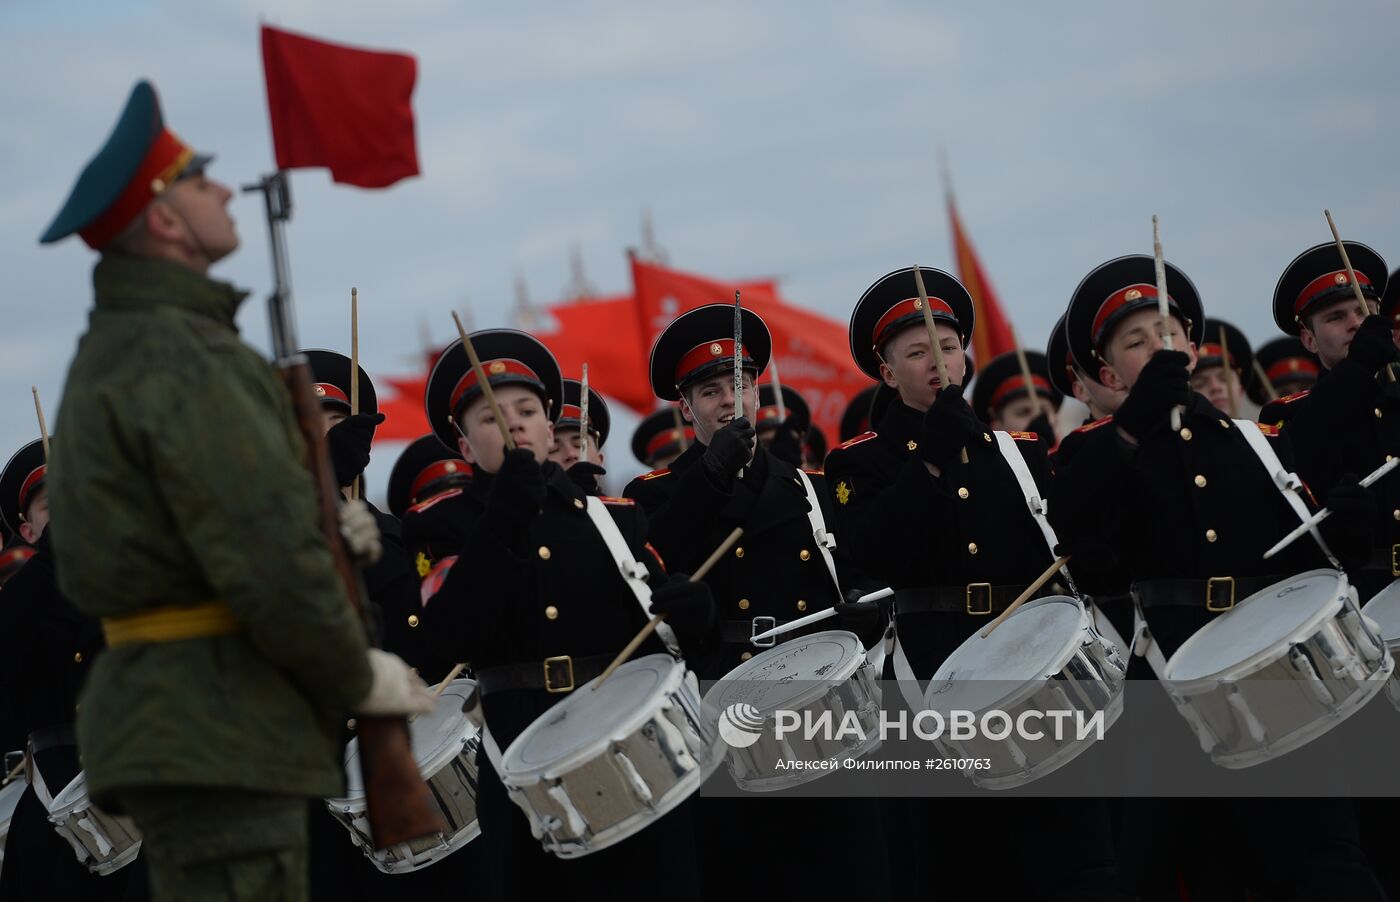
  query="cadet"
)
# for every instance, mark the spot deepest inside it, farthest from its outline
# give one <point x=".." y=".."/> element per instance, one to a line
<point x="1071" y="379"/>
<point x="570" y="441"/>
<point x="1001" y="400"/>
<point x="538" y="606"/>
<point x="46" y="650"/>
<point x="424" y="470"/>
<point x="1288" y="367"/>
<point x="185" y="519"/>
<point x="784" y="438"/>
<point x="1349" y="422"/>
<point x="1188" y="515"/>
<point x="956" y="541"/>
<point x="660" y="438"/>
<point x="1219" y="382"/>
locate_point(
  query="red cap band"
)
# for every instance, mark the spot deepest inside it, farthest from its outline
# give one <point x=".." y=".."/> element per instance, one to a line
<point x="662" y="439"/>
<point x="492" y="368"/>
<point x="163" y="164"/>
<point x="430" y="474"/>
<point x="905" y="308"/>
<point x="31" y="482"/>
<point x="706" y="353"/>
<point x="1324" y="283"/>
<point x="1291" y="366"/>
<point x="1018" y="382"/>
<point x="324" y="391"/>
<point x="1115" y="302"/>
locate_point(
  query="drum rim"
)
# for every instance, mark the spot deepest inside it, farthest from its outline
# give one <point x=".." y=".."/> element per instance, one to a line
<point x="1063" y="657"/>
<point x="1261" y="658"/>
<point x="1383" y="596"/>
<point x="715" y="696"/>
<point x="670" y="684"/>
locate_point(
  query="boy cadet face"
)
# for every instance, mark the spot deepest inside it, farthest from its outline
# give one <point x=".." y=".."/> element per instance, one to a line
<point x="1133" y="343"/>
<point x="709" y="405"/>
<point x="330" y="416"/>
<point x="567" y="449"/>
<point x="36" y="517"/>
<point x="1016" y="416"/>
<point x="1101" y="400"/>
<point x="1329" y="331"/>
<point x="526" y="418"/>
<point x="907" y="363"/>
<point x="1215" y="383"/>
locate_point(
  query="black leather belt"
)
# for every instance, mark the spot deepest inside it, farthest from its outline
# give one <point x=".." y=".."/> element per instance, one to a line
<point x="46" y="738"/>
<point x="1216" y="594"/>
<point x="977" y="599"/>
<point x="739" y="632"/>
<point x="554" y="675"/>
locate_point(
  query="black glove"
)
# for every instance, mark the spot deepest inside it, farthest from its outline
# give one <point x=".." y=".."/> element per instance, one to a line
<point x="786" y="446"/>
<point x="1162" y="385"/>
<point x="730" y="449"/>
<point x="864" y="618"/>
<point x="348" y="443"/>
<point x="949" y="426"/>
<point x="1043" y="428"/>
<point x="1349" y="531"/>
<point x="517" y="490"/>
<point x="689" y="607"/>
<point x="1373" y="345"/>
<point x="584" y="474"/>
<point x="1087" y="557"/>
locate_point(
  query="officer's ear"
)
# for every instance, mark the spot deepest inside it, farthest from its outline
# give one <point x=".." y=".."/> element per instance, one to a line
<point x="163" y="223"/>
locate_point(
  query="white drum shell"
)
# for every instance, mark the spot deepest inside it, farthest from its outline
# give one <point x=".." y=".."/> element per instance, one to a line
<point x="103" y="842"/>
<point x="1384" y="613"/>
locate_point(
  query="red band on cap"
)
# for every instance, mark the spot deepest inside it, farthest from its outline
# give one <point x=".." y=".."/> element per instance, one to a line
<point x="1215" y="350"/>
<point x="1013" y="383"/>
<point x="904" y="308"/>
<point x="766" y="413"/>
<point x="669" y="436"/>
<point x="163" y="163"/>
<point x="31" y="482"/>
<point x="1291" y="366"/>
<point x="571" y="412"/>
<point x="493" y="369"/>
<point x="1114" y="302"/>
<point x="327" y="392"/>
<point x="1322" y="283"/>
<point x="706" y="353"/>
<point x="430" y="474"/>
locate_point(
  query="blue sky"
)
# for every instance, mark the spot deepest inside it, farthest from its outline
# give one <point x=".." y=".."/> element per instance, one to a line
<point x="791" y="139"/>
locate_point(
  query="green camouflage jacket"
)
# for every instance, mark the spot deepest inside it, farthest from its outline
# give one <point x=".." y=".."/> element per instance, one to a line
<point x="181" y="479"/>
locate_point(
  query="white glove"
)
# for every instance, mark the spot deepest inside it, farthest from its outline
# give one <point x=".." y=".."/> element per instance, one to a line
<point x="360" y="531"/>
<point x="395" y="690"/>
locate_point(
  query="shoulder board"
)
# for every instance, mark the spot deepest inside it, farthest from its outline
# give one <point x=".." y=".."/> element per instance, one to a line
<point x="1296" y="396"/>
<point x="424" y="505"/>
<point x="1267" y="429"/>
<point x="863" y="437"/>
<point x="432" y="583"/>
<point x="1024" y="436"/>
<point x="609" y="499"/>
<point x="656" y="554"/>
<point x="1094" y="425"/>
<point x="814" y="472"/>
<point x="655" y="474"/>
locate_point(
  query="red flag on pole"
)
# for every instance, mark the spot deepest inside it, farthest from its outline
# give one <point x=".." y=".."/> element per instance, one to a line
<point x="992" y="333"/>
<point x="347" y="109"/>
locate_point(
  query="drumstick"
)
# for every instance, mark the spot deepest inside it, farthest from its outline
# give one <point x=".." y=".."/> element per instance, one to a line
<point x="483" y="382"/>
<point x="777" y="390"/>
<point x="583" y="414"/>
<point x="43" y="428"/>
<point x="1351" y="275"/>
<point x="1026" y="371"/>
<point x="738" y="358"/>
<point x="818" y="617"/>
<point x="1326" y="512"/>
<point x="1021" y="599"/>
<point x="1160" y="265"/>
<point x="943" y="381"/>
<point x="651" y="625"/>
<point x="14" y="772"/>
<point x="354" y="368"/>
<point x="441" y="687"/>
<point x="1269" y="391"/>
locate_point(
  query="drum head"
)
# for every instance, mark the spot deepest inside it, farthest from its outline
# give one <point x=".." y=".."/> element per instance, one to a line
<point x="435" y="737"/>
<point x="784" y="674"/>
<point x="1029" y="645"/>
<point x="587" y="718"/>
<point x="1264" y="620"/>
<point x="1385" y="610"/>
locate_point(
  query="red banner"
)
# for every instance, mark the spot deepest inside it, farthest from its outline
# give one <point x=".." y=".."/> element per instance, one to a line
<point x="992" y="334"/>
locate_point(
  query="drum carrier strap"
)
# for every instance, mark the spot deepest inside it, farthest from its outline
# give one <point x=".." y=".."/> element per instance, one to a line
<point x="825" y="540"/>
<point x="633" y="571"/>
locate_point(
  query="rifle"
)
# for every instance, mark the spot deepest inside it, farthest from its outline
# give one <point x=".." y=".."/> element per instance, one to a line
<point x="397" y="801"/>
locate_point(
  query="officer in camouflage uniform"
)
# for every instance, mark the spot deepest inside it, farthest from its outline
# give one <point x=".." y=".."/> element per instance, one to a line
<point x="186" y="520"/>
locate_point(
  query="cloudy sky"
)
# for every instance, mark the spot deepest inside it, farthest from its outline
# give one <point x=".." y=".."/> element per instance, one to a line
<point x="791" y="139"/>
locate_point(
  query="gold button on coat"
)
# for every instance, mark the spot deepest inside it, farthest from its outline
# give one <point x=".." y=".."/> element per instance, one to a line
<point x="1200" y="481"/>
<point x="739" y="552"/>
<point x="745" y="656"/>
<point x="551" y="612"/>
<point x="971" y="547"/>
<point x="1378" y="413"/>
<point x="412" y="619"/>
<point x="578" y="503"/>
<point x="544" y="552"/>
<point x="743" y="604"/>
<point x="1185" y="434"/>
<point x="77" y="657"/>
<point x="1396" y="514"/>
<point x="801" y="605"/>
<point x="1211" y="535"/>
<point x="804" y="554"/>
<point x="963" y="492"/>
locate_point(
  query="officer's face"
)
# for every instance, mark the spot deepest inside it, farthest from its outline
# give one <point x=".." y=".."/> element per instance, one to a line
<point x="36" y="517"/>
<point x="907" y="364"/>
<point x="1101" y="400"/>
<point x="1215" y="383"/>
<point x="1328" y="332"/>
<point x="526" y="419"/>
<point x="567" y="449"/>
<point x="208" y="231"/>
<point x="1133" y="343"/>
<point x="1016" y="416"/>
<point x="710" y="404"/>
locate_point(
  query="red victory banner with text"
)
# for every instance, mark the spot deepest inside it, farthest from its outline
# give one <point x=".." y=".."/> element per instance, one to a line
<point x="347" y="109"/>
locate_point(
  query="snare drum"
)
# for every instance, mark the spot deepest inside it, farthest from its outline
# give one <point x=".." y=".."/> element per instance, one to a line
<point x="104" y="842"/>
<point x="1045" y="658"/>
<point x="821" y="675"/>
<point x="1384" y="613"/>
<point x="9" y="800"/>
<point x="604" y="764"/>
<point x="1277" y="670"/>
<point x="444" y="745"/>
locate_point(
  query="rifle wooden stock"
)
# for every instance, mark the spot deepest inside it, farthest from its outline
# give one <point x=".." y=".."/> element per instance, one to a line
<point x="397" y="801"/>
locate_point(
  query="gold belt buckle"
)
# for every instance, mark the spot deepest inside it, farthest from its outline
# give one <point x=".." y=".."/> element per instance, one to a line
<point x="1210" y="593"/>
<point x="979" y="611"/>
<point x="568" y="663"/>
<point x="1395" y="560"/>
